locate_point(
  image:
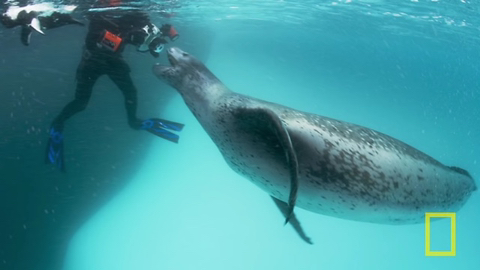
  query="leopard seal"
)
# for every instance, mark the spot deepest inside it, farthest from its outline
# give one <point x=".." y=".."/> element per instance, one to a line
<point x="314" y="162"/>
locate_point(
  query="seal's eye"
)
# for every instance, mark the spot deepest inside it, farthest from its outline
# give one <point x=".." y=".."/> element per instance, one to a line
<point x="184" y="54"/>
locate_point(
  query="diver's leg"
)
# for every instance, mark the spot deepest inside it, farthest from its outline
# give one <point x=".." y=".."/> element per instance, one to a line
<point x="87" y="75"/>
<point x="119" y="73"/>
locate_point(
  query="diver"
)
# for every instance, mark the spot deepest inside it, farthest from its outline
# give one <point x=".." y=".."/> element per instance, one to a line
<point x="109" y="31"/>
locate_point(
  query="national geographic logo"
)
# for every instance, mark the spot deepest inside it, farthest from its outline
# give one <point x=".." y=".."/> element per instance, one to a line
<point x="428" y="216"/>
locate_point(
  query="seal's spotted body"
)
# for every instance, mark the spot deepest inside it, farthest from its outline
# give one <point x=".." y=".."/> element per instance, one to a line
<point x="344" y="170"/>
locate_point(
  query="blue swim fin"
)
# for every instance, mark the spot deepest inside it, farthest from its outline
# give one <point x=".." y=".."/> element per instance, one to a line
<point x="159" y="127"/>
<point x="54" y="153"/>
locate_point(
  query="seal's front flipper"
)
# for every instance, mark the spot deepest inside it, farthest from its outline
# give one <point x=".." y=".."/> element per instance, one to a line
<point x="266" y="117"/>
<point x="159" y="127"/>
<point x="25" y="35"/>
<point x="293" y="220"/>
<point x="291" y="156"/>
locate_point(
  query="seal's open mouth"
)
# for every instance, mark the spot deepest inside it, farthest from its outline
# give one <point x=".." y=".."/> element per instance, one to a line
<point x="172" y="54"/>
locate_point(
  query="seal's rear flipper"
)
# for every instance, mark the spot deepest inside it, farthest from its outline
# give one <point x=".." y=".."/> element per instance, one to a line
<point x="464" y="172"/>
<point x="25" y="35"/>
<point x="293" y="220"/>
<point x="461" y="171"/>
<point x="267" y="118"/>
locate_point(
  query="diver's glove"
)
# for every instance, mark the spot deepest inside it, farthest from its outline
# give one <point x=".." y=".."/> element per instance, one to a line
<point x="169" y="31"/>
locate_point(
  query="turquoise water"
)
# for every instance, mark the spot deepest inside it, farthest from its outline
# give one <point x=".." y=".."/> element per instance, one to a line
<point x="408" y="69"/>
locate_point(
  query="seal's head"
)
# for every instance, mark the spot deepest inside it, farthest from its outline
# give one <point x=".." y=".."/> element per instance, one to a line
<point x="186" y="73"/>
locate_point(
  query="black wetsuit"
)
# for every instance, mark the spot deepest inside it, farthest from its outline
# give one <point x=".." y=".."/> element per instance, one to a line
<point x="98" y="60"/>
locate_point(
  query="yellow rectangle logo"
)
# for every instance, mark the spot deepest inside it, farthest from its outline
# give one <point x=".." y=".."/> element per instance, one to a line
<point x="428" y="252"/>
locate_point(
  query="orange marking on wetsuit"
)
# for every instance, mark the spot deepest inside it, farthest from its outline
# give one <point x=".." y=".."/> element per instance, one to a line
<point x="112" y="41"/>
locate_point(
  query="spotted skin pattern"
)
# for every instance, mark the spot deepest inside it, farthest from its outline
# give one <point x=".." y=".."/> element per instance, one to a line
<point x="344" y="170"/>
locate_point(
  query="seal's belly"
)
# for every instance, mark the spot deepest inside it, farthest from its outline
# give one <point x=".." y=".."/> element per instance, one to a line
<point x="344" y="176"/>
